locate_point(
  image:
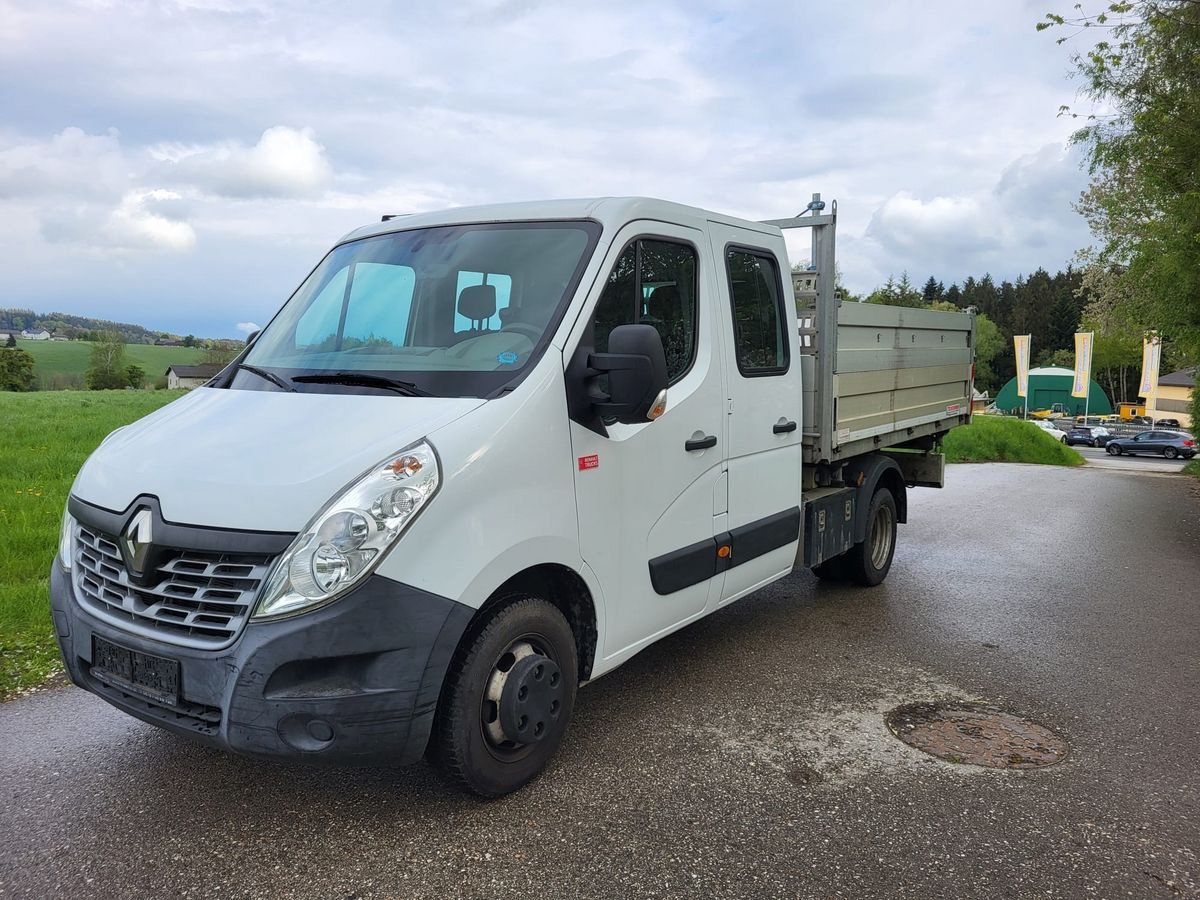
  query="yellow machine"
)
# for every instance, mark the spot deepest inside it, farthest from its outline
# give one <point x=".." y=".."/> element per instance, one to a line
<point x="1055" y="412"/>
<point x="1130" y="410"/>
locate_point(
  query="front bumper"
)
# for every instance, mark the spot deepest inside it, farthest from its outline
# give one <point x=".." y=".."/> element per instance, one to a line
<point x="355" y="682"/>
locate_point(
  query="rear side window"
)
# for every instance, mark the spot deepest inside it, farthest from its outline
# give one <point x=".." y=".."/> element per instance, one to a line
<point x="653" y="283"/>
<point x="756" y="294"/>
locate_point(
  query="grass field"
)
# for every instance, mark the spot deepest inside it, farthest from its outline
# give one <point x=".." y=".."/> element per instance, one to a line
<point x="69" y="360"/>
<point x="997" y="439"/>
<point x="44" y="439"/>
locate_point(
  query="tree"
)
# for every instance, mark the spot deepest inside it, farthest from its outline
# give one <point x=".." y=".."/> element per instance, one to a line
<point x="897" y="293"/>
<point x="189" y="340"/>
<point x="107" y="368"/>
<point x="12" y="340"/>
<point x="135" y="376"/>
<point x="16" y="369"/>
<point x="989" y="343"/>
<point x="954" y="295"/>
<point x="933" y="291"/>
<point x="218" y="355"/>
<point x="1143" y="205"/>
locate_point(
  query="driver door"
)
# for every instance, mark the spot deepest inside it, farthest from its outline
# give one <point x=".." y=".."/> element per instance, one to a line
<point x="648" y="494"/>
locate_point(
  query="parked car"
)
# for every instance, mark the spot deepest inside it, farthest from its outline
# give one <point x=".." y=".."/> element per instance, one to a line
<point x="1055" y="433"/>
<point x="1167" y="423"/>
<point x="1093" y="436"/>
<point x="1170" y="444"/>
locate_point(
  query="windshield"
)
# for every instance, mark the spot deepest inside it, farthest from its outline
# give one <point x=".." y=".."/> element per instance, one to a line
<point x="453" y="311"/>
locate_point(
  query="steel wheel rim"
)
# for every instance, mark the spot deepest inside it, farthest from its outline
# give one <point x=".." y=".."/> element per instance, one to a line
<point x="498" y="744"/>
<point x="881" y="536"/>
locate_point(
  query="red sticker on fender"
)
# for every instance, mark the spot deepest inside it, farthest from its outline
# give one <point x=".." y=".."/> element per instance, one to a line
<point x="589" y="462"/>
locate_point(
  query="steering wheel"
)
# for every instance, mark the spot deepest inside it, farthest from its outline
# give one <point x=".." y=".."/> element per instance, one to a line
<point x="524" y="328"/>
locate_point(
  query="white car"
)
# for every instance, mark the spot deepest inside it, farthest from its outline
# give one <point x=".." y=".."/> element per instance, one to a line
<point x="1049" y="429"/>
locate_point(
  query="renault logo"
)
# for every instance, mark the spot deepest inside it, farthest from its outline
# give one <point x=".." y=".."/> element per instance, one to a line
<point x="135" y="542"/>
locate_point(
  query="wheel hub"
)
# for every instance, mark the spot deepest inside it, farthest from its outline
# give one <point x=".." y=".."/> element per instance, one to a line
<point x="524" y="697"/>
<point x="531" y="699"/>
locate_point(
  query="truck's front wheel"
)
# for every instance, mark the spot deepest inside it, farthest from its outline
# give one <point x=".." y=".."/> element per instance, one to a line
<point x="868" y="563"/>
<point x="507" y="699"/>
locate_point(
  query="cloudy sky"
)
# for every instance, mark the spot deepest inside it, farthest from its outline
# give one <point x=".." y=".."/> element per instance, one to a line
<point x="183" y="163"/>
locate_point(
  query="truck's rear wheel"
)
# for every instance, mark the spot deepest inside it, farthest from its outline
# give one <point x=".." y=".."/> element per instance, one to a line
<point x="868" y="563"/>
<point x="507" y="699"/>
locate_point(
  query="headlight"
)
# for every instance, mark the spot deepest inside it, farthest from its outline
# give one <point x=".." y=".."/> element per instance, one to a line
<point x="348" y="538"/>
<point x="66" y="535"/>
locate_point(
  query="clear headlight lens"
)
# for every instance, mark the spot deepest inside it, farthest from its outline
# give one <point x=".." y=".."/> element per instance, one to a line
<point x="66" y="535"/>
<point x="349" y="537"/>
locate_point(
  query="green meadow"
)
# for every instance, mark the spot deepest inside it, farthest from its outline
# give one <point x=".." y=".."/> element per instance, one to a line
<point x="62" y="364"/>
<point x="44" y="439"/>
<point x="999" y="439"/>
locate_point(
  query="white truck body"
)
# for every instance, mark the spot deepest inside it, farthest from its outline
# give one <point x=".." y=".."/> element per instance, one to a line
<point x="764" y="459"/>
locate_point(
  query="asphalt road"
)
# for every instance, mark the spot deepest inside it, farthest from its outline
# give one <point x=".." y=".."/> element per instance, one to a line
<point x="1102" y="459"/>
<point x="742" y="757"/>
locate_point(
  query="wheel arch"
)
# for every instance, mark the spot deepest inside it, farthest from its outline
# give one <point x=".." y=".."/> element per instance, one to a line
<point x="869" y="474"/>
<point x="561" y="586"/>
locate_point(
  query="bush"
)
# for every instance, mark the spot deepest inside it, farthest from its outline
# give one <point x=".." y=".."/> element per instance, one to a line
<point x="997" y="439"/>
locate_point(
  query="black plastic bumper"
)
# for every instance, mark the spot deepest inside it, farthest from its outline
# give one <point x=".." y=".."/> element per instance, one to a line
<point x="355" y="682"/>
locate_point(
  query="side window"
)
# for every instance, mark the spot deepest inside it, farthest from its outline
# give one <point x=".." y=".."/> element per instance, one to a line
<point x="380" y="302"/>
<point x="503" y="286"/>
<point x="653" y="283"/>
<point x="760" y="344"/>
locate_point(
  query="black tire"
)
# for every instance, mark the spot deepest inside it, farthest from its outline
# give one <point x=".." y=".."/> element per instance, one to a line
<point x="1097" y="443"/>
<point x="1113" y="449"/>
<point x="463" y="745"/>
<point x="868" y="563"/>
<point x="1170" y="452"/>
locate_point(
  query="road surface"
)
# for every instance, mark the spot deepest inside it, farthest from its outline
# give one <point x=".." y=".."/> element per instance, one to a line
<point x="1152" y="464"/>
<point x="742" y="757"/>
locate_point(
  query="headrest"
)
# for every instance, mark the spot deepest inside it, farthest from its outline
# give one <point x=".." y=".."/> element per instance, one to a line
<point x="477" y="302"/>
<point x="664" y="302"/>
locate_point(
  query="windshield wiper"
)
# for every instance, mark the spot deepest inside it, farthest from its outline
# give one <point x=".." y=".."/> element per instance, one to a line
<point x="407" y="388"/>
<point x="269" y="376"/>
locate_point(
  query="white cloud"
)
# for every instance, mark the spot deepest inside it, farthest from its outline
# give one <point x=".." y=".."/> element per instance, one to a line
<point x="277" y="125"/>
<point x="247" y="328"/>
<point x="285" y="162"/>
<point x="1021" y="222"/>
<point x="71" y="162"/>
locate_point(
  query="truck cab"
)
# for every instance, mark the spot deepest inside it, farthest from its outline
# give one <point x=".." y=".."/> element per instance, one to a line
<point x="478" y="458"/>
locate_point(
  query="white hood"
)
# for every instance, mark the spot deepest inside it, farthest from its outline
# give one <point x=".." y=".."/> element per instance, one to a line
<point x="255" y="460"/>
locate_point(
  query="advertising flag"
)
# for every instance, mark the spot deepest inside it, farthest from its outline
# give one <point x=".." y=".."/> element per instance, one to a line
<point x="1083" y="364"/>
<point x="1151" y="356"/>
<point x="1021" y="345"/>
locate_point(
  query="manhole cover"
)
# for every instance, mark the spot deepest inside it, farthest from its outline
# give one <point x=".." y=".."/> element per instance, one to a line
<point x="976" y="734"/>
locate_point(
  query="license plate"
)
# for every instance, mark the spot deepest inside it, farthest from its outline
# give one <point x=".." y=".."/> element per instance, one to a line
<point x="138" y="673"/>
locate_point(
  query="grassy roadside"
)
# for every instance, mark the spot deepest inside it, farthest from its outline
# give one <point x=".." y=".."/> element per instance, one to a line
<point x="996" y="439"/>
<point x="1193" y="468"/>
<point x="43" y="442"/>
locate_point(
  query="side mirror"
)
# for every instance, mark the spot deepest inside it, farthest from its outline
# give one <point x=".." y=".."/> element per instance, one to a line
<point x="252" y="337"/>
<point x="636" y="366"/>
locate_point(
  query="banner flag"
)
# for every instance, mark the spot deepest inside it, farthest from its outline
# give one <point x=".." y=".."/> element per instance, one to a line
<point x="1083" y="364"/>
<point x="1151" y="356"/>
<point x="1021" y="345"/>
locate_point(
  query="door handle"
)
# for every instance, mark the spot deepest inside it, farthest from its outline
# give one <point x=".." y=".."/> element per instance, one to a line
<point x="784" y="427"/>
<point x="709" y="440"/>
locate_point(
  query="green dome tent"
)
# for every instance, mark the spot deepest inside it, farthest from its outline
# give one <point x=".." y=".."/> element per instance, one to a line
<point x="1050" y="385"/>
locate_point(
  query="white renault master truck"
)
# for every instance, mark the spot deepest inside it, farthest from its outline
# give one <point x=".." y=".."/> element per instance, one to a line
<point x="483" y="456"/>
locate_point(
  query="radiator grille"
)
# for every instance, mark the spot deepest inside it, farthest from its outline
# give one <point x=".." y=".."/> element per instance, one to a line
<point x="198" y="599"/>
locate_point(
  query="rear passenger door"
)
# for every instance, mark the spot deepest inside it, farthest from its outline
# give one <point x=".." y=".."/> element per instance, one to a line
<point x="761" y="360"/>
